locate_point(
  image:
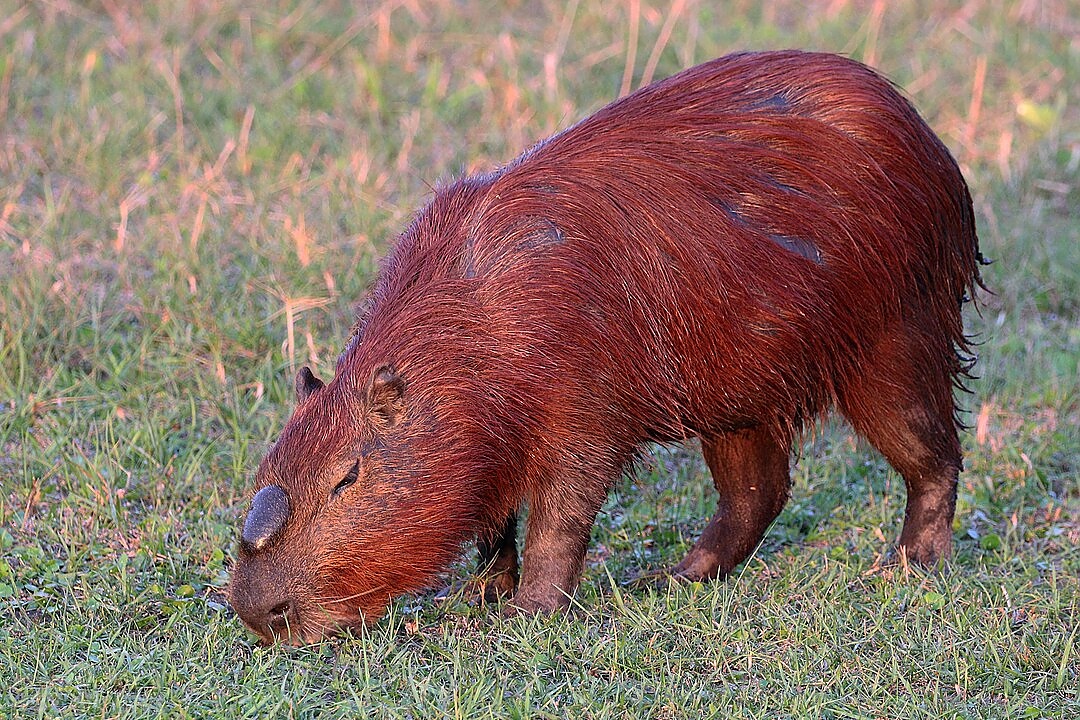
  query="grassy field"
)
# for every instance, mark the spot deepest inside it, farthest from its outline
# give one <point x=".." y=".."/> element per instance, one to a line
<point x="194" y="195"/>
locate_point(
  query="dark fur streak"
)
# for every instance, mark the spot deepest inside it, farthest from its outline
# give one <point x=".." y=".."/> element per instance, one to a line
<point x="776" y="103"/>
<point x="800" y="246"/>
<point x="732" y="214"/>
<point x="468" y="269"/>
<point x="784" y="187"/>
<point x="549" y="235"/>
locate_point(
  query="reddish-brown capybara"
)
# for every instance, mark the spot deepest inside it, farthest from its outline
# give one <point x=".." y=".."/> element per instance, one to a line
<point x="726" y="254"/>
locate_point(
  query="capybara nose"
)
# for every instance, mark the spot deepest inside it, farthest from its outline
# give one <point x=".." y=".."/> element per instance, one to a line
<point x="272" y="619"/>
<point x="263" y="599"/>
<point x="281" y="617"/>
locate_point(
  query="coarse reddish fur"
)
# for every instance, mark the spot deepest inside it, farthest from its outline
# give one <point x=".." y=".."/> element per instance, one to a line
<point x="727" y="254"/>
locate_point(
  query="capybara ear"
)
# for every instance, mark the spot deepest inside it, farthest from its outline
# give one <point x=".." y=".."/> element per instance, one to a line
<point x="306" y="383"/>
<point x="385" y="395"/>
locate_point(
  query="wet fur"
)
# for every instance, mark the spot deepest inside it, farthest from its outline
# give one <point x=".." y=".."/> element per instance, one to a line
<point x="727" y="254"/>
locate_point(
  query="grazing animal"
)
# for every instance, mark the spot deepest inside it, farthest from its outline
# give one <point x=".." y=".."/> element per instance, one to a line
<point x="726" y="254"/>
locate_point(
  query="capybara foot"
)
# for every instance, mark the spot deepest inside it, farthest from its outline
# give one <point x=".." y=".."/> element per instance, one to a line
<point x="927" y="543"/>
<point x="533" y="603"/>
<point x="926" y="555"/>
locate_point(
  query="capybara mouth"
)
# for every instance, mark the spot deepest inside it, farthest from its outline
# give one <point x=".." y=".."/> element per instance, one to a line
<point x="307" y="628"/>
<point x="295" y="636"/>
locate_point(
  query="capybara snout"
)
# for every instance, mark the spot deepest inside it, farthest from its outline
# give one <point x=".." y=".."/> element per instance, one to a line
<point x="726" y="254"/>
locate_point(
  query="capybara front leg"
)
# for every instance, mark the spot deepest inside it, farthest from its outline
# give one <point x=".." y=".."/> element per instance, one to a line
<point x="498" y="561"/>
<point x="902" y="402"/>
<point x="556" y="537"/>
<point x="750" y="471"/>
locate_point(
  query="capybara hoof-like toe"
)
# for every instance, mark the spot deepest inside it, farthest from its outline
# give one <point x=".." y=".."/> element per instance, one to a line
<point x="925" y="558"/>
<point x="535" y="604"/>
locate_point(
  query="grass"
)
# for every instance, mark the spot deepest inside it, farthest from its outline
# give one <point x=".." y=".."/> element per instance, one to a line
<point x="194" y="195"/>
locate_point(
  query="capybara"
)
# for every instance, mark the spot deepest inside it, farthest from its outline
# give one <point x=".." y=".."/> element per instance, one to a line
<point x="726" y="254"/>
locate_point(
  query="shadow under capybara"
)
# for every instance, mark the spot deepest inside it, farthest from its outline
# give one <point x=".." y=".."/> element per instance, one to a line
<point x="728" y="254"/>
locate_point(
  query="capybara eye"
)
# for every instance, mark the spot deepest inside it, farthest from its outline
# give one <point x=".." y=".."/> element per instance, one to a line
<point x="349" y="479"/>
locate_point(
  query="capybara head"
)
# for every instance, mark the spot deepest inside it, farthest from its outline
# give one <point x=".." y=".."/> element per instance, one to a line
<point x="333" y="530"/>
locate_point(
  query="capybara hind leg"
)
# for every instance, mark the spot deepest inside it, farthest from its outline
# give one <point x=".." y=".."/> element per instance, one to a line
<point x="556" y="537"/>
<point x="903" y="404"/>
<point x="498" y="562"/>
<point x="750" y="471"/>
